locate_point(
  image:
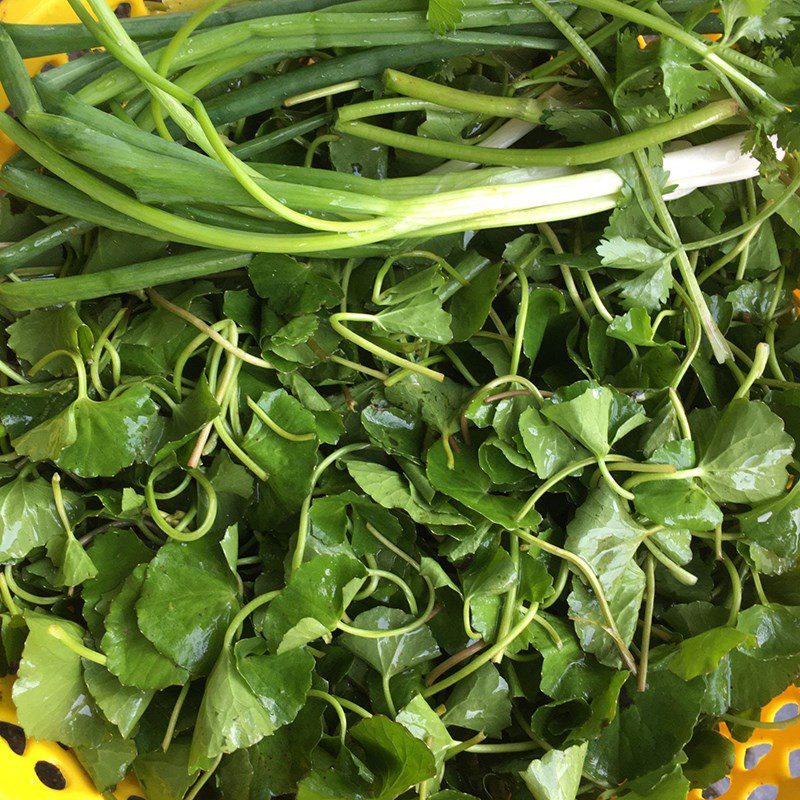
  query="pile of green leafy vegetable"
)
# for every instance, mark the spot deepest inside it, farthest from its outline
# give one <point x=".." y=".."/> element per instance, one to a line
<point x="400" y="400"/>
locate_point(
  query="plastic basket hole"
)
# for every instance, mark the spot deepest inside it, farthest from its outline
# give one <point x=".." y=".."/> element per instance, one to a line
<point x="765" y="792"/>
<point x="754" y="754"/>
<point x="50" y="775"/>
<point x="787" y="712"/>
<point x="14" y="737"/>
<point x="794" y="763"/>
<point x="717" y="789"/>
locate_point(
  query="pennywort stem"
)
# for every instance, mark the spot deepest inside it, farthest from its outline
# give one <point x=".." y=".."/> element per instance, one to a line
<point x="97" y="351"/>
<point x="762" y="595"/>
<point x="780" y="725"/>
<point x="696" y="333"/>
<point x="366" y="633"/>
<point x="559" y="585"/>
<point x="486" y="656"/>
<point x="679" y="573"/>
<point x="387" y="693"/>
<point x="736" y="589"/>
<point x="522" y="318"/>
<point x="274" y="427"/>
<point x="756" y="371"/>
<point x="336" y="704"/>
<point x="650" y="597"/>
<point x="207" y="329"/>
<point x="611" y="481"/>
<point x="28" y="597"/>
<point x="80" y="368"/>
<point x="555" y="638"/>
<point x="559" y="476"/>
<point x="206" y="777"/>
<point x="379" y="296"/>
<point x="586" y="569"/>
<point x="10" y="372"/>
<point x="174" y="716"/>
<point x="389" y="545"/>
<point x="236" y="623"/>
<point x="302" y="528"/>
<point x="466" y="620"/>
<point x="57" y="632"/>
<point x="566" y="272"/>
<point x="399" y="582"/>
<point x="58" y="499"/>
<point x="161" y="521"/>
<point x="461" y="747"/>
<point x="8" y="600"/>
<point x="510" y="602"/>
<point x="680" y="413"/>
<point x="453" y="661"/>
<point x="677" y="475"/>
<point x="337" y="323"/>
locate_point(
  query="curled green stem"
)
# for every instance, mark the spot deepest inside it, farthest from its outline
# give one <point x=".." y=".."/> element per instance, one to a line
<point x="679" y="573"/>
<point x="80" y="368"/>
<point x="336" y="704"/>
<point x="453" y="661"/>
<point x="28" y="597"/>
<point x="338" y="321"/>
<point x="162" y="522"/>
<point x="379" y="296"/>
<point x="586" y="569"/>
<point x="756" y="371"/>
<point x="7" y="598"/>
<point x="366" y="633"/>
<point x="389" y="545"/>
<point x="97" y="351"/>
<point x="302" y="527"/>
<point x="466" y="620"/>
<point x="611" y="481"/>
<point x="555" y="638"/>
<point x="208" y="330"/>
<point x="233" y="629"/>
<point x="556" y="478"/>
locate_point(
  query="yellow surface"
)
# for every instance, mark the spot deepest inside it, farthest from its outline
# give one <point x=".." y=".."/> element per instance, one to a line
<point x="43" y="12"/>
<point x="18" y="779"/>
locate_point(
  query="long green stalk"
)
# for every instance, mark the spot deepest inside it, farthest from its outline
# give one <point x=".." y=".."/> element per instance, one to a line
<point x="22" y="252"/>
<point x="40" y="293"/>
<point x="307" y="32"/>
<point x="695" y="121"/>
<point x="517" y="107"/>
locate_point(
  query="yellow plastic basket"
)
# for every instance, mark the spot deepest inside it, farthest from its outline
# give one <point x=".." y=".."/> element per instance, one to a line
<point x="29" y="769"/>
<point x="49" y="12"/>
<point x="33" y="770"/>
